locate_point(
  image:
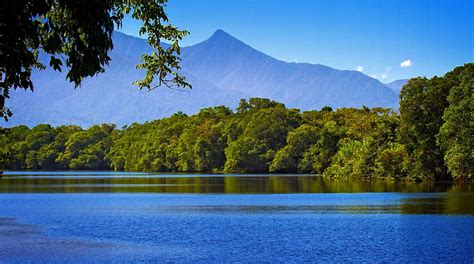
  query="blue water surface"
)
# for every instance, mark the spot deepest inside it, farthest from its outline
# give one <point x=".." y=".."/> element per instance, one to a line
<point x="218" y="227"/>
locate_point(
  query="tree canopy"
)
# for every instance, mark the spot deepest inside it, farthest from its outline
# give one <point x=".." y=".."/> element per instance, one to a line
<point x="76" y="36"/>
<point x="456" y="136"/>
<point x="431" y="139"/>
<point x="437" y="124"/>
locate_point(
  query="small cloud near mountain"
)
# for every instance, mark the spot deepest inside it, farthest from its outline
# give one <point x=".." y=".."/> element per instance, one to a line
<point x="406" y="64"/>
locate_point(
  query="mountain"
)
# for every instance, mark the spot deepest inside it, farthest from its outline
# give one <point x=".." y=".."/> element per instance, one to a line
<point x="221" y="69"/>
<point x="397" y="85"/>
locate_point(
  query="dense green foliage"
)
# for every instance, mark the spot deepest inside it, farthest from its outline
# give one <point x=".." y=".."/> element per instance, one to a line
<point x="77" y="36"/>
<point x="431" y="139"/>
<point x="437" y="121"/>
<point x="456" y="136"/>
<point x="48" y="148"/>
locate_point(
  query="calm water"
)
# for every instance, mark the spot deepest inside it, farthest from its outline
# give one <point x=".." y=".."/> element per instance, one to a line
<point x="115" y="217"/>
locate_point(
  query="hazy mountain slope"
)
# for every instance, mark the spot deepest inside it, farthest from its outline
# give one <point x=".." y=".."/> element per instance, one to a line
<point x="397" y="85"/>
<point x="233" y="65"/>
<point x="221" y="69"/>
<point x="110" y="97"/>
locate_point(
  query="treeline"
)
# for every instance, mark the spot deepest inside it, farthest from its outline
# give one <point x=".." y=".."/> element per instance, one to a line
<point x="431" y="139"/>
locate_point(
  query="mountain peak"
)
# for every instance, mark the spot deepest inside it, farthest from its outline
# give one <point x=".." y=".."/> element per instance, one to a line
<point x="222" y="36"/>
<point x="220" y="32"/>
<point x="221" y="69"/>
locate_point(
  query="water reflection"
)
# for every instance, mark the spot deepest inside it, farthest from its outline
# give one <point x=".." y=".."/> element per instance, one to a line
<point x="440" y="198"/>
<point x="445" y="203"/>
<point x="188" y="183"/>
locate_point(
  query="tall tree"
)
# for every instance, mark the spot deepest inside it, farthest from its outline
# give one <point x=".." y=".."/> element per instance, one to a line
<point x="77" y="35"/>
<point x="456" y="136"/>
<point x="422" y="105"/>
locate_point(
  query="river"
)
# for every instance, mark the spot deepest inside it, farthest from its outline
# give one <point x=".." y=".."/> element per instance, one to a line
<point x="58" y="217"/>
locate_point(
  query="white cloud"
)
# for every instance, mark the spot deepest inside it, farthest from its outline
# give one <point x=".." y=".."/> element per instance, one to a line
<point x="406" y="63"/>
<point x="359" y="68"/>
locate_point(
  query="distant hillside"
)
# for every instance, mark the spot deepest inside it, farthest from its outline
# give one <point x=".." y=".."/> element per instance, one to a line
<point x="397" y="85"/>
<point x="221" y="69"/>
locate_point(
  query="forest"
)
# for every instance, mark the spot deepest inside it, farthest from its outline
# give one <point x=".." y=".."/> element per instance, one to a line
<point x="430" y="137"/>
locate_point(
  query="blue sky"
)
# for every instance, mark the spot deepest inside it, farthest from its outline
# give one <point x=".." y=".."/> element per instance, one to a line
<point x="386" y="39"/>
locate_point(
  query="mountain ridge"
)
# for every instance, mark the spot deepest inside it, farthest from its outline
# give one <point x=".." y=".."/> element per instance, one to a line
<point x="222" y="70"/>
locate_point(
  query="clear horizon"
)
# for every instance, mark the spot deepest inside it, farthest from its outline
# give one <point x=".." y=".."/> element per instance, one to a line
<point x="388" y="41"/>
